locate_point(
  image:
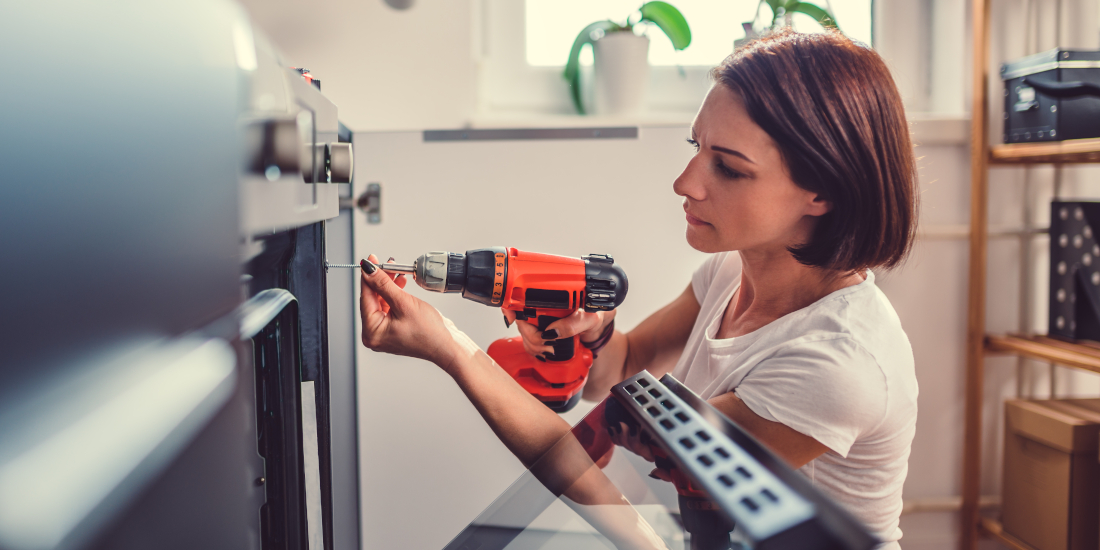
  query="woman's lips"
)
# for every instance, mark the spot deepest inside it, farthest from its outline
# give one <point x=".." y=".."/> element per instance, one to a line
<point x="693" y="220"/>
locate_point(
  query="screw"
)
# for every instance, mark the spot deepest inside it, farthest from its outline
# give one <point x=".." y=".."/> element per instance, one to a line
<point x="260" y="481"/>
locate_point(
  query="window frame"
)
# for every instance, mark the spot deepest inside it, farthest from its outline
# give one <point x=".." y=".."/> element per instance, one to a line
<point x="902" y="32"/>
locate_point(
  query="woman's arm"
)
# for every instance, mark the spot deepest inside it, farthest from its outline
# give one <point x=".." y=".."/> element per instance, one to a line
<point x="796" y="448"/>
<point x="654" y="345"/>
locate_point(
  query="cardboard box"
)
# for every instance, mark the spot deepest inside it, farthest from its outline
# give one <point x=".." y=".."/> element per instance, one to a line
<point x="1051" y="473"/>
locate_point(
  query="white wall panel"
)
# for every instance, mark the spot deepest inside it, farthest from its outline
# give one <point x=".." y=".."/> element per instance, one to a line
<point x="430" y="464"/>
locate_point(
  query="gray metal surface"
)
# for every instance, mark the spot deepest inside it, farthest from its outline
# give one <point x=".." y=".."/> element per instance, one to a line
<point x="341" y="162"/>
<point x="136" y="199"/>
<point x="508" y="134"/>
<point x="76" y="450"/>
<point x="343" y="409"/>
<point x="277" y="200"/>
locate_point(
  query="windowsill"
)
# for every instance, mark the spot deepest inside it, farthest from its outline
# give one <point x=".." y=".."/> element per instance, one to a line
<point x="939" y="129"/>
<point x="529" y="119"/>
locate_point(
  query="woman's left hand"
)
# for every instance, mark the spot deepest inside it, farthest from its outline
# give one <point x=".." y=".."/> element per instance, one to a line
<point x="588" y="325"/>
<point x="396" y="322"/>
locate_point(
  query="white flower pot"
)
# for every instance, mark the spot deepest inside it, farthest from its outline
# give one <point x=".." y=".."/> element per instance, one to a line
<point x="621" y="73"/>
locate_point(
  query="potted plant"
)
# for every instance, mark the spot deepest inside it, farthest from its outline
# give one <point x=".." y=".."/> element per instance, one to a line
<point x="782" y="16"/>
<point x="621" y="57"/>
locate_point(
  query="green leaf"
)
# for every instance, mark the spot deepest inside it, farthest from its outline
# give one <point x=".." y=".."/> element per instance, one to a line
<point x="670" y="20"/>
<point x="572" y="67"/>
<point x="822" y="16"/>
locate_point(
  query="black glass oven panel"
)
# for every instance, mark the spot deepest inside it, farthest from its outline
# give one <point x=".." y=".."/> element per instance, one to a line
<point x="290" y="357"/>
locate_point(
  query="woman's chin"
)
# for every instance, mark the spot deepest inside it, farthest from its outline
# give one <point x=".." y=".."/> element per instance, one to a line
<point x="701" y="238"/>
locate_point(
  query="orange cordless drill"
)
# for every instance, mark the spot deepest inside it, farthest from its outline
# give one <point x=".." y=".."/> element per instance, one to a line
<point x="540" y="288"/>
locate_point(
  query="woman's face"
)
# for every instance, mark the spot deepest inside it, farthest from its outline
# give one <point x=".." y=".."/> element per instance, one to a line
<point x="737" y="191"/>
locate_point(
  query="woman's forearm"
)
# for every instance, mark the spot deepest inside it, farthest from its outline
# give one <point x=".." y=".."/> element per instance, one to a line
<point x="608" y="368"/>
<point x="526" y="426"/>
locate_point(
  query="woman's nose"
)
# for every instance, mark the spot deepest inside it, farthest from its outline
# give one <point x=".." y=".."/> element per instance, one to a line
<point x="687" y="185"/>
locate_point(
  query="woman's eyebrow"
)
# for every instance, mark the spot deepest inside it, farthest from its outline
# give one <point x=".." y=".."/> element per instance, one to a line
<point x="721" y="149"/>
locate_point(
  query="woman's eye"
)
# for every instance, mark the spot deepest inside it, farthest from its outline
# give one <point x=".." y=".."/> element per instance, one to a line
<point x="728" y="172"/>
<point x="693" y="143"/>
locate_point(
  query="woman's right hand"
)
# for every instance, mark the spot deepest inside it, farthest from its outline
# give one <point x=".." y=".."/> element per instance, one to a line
<point x="589" y="325"/>
<point x="397" y="322"/>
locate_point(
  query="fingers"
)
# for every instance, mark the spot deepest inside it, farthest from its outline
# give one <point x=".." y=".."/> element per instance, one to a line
<point x="577" y="323"/>
<point x="509" y="317"/>
<point x="399" y="279"/>
<point x="369" y="301"/>
<point x="371" y="310"/>
<point x="380" y="282"/>
<point x="660" y="474"/>
<point x="533" y="341"/>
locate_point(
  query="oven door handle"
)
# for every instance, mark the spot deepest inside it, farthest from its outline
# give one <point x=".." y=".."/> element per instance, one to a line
<point x="77" y="450"/>
<point x="259" y="310"/>
<point x="1064" y="90"/>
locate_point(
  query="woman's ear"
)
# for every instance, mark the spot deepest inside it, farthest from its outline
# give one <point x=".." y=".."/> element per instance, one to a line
<point x="819" y="206"/>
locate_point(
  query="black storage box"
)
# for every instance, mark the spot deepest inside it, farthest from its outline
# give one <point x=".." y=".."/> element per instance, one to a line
<point x="1052" y="96"/>
<point x="1075" y="270"/>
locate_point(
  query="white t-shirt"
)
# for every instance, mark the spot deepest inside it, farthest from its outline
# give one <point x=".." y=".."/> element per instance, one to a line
<point x="839" y="370"/>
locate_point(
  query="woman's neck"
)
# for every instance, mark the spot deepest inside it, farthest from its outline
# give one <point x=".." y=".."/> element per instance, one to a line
<point x="774" y="284"/>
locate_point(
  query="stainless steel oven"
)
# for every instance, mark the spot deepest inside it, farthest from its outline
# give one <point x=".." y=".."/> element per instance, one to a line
<point x="169" y="198"/>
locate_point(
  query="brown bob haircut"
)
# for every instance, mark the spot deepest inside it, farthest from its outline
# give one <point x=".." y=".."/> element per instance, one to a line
<point x="831" y="106"/>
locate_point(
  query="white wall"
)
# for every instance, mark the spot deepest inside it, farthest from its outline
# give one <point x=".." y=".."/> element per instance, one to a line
<point x="410" y="70"/>
<point x="385" y="69"/>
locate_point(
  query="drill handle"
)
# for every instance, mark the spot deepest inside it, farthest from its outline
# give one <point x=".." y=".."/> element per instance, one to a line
<point x="564" y="348"/>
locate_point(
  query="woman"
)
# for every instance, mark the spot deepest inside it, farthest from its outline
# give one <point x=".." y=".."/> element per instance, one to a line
<point x="802" y="182"/>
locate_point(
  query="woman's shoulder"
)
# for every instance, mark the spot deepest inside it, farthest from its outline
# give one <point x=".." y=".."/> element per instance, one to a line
<point x="860" y="315"/>
<point x="849" y="340"/>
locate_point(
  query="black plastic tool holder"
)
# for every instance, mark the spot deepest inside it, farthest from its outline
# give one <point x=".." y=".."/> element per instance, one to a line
<point x="775" y="506"/>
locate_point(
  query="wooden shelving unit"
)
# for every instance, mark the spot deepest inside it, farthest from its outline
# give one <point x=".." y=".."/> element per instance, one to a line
<point x="1057" y="152"/>
<point x="994" y="529"/>
<point x="1081" y="355"/>
<point x="1042" y="348"/>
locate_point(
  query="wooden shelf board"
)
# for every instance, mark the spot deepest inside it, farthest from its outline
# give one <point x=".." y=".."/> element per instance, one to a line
<point x="1071" y="151"/>
<point x="1085" y="356"/>
<point x="994" y="529"/>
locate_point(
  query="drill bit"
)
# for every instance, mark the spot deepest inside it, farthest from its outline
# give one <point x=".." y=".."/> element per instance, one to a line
<point x="392" y="268"/>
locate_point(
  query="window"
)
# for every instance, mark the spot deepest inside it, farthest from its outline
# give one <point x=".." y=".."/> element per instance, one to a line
<point x="551" y="26"/>
<point x="522" y="46"/>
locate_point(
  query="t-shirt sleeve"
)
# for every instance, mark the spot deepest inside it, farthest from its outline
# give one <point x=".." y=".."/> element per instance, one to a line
<point x="705" y="274"/>
<point x="831" y="390"/>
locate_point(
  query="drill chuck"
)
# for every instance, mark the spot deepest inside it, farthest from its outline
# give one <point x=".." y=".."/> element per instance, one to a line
<point x="479" y="275"/>
<point x="440" y="271"/>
